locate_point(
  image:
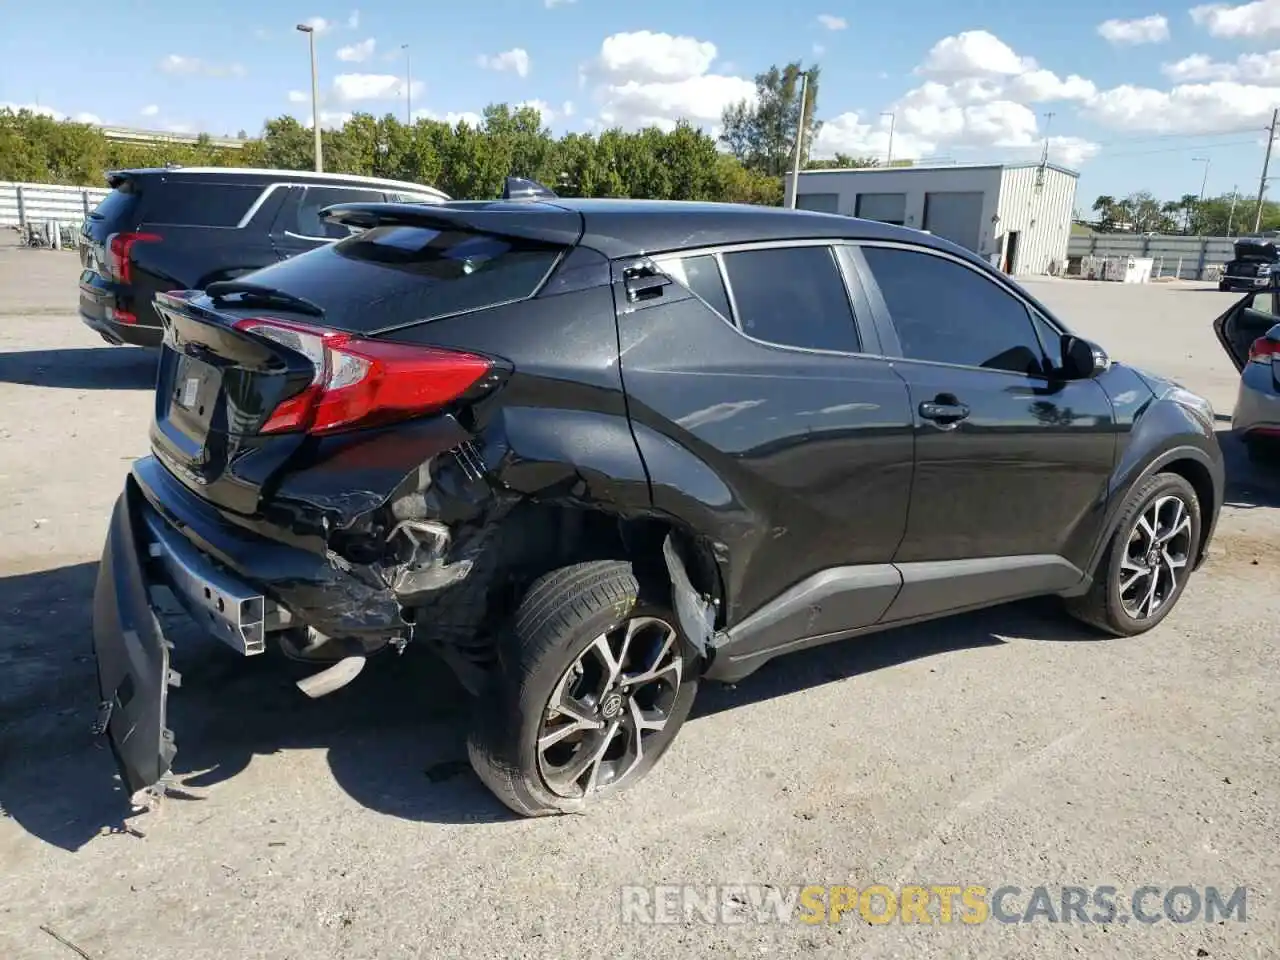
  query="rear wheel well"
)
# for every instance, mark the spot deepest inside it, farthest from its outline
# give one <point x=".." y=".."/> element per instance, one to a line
<point x="582" y="534"/>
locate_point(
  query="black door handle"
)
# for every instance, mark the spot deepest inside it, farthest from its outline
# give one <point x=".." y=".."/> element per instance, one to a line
<point x="945" y="413"/>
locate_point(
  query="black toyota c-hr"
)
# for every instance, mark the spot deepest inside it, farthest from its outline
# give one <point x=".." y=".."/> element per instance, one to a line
<point x="591" y="453"/>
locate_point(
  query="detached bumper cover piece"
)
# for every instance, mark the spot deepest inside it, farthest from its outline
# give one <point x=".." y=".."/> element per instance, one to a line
<point x="132" y="653"/>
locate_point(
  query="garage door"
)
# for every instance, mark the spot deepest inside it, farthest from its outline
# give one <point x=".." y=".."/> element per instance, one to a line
<point x="821" y="202"/>
<point x="955" y="216"/>
<point x="885" y="207"/>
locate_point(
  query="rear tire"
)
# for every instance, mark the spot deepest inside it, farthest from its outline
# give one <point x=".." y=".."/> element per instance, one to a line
<point x="1146" y="565"/>
<point x="595" y="677"/>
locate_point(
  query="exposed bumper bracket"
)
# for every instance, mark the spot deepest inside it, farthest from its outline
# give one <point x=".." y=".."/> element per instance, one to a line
<point x="227" y="607"/>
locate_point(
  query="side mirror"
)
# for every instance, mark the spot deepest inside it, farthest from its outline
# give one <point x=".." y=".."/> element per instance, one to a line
<point x="1082" y="359"/>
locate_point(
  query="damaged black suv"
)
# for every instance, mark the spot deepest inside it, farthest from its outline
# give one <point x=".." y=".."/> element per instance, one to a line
<point x="592" y="452"/>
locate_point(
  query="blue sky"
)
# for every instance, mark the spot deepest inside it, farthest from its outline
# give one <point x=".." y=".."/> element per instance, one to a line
<point x="1138" y="90"/>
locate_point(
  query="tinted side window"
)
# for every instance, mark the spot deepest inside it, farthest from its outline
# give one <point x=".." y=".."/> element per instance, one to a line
<point x="702" y="276"/>
<point x="200" y="204"/>
<point x="947" y="313"/>
<point x="793" y="296"/>
<point x="315" y="199"/>
<point x="1050" y="340"/>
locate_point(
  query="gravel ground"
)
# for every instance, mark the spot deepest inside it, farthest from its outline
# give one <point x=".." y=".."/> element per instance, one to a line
<point x="1007" y="748"/>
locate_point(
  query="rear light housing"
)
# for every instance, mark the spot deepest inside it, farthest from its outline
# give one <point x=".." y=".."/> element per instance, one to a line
<point x="1264" y="350"/>
<point x="362" y="383"/>
<point x="120" y="253"/>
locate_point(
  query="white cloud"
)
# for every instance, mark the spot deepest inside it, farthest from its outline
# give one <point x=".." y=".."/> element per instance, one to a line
<point x="179" y="65"/>
<point x="645" y="56"/>
<point x="352" y="87"/>
<point x="298" y="96"/>
<point x="319" y="24"/>
<point x="1193" y="108"/>
<point x="1071" y="151"/>
<point x="329" y="119"/>
<point x="43" y="111"/>
<point x="515" y="61"/>
<point x="150" y="110"/>
<point x="832" y="22"/>
<point x="357" y="52"/>
<point x="976" y="95"/>
<point x="1260" y="68"/>
<point x="974" y="53"/>
<point x="353" y="21"/>
<point x="567" y="108"/>
<point x="646" y="78"/>
<point x="1255" y="19"/>
<point x="1152" y="29"/>
<point x="544" y="108"/>
<point x="451" y="118"/>
<point x="1035" y="86"/>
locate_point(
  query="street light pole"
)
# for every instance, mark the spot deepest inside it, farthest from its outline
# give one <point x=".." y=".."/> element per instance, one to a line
<point x="408" y="86"/>
<point x="1203" y="182"/>
<point x="310" y="31"/>
<point x="888" y="159"/>
<point x="795" y="170"/>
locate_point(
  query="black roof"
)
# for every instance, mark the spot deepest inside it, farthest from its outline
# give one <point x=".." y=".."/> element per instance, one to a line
<point x="624" y="228"/>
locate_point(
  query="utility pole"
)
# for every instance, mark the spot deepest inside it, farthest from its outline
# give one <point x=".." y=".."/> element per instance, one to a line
<point x="315" y="92"/>
<point x="408" y="86"/>
<point x="888" y="160"/>
<point x="1231" y="215"/>
<point x="1200" y="203"/>
<point x="1266" y="163"/>
<point x="1044" y="155"/>
<point x="795" y="169"/>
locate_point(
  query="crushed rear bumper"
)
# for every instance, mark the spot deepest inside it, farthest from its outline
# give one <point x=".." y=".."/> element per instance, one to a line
<point x="233" y="583"/>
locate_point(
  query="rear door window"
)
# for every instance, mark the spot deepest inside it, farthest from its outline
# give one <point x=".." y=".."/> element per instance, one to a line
<point x="395" y="275"/>
<point x="793" y="296"/>
<point x="306" y="220"/>
<point x="194" y="204"/>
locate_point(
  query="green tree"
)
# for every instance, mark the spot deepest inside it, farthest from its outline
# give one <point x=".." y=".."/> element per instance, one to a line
<point x="762" y="135"/>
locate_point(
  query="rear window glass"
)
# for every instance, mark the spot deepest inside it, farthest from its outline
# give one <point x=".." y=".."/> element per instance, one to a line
<point x="117" y="205"/>
<point x="189" y="204"/>
<point x="393" y="275"/>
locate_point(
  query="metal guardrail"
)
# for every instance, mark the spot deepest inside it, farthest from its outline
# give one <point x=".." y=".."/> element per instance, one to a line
<point x="23" y="203"/>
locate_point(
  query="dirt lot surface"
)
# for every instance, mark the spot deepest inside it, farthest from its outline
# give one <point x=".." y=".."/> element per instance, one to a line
<point x="1007" y="748"/>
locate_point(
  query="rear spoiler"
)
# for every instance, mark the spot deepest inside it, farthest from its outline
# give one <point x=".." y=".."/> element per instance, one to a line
<point x="544" y="222"/>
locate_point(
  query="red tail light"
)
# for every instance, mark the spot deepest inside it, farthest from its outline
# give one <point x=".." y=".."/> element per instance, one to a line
<point x="119" y="250"/>
<point x="1264" y="350"/>
<point x="365" y="382"/>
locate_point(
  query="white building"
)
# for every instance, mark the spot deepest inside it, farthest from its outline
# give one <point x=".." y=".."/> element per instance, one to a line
<point x="1015" y="216"/>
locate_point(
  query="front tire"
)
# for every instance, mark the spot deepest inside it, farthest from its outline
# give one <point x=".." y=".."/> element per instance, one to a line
<point x="1146" y="565"/>
<point x="593" y="683"/>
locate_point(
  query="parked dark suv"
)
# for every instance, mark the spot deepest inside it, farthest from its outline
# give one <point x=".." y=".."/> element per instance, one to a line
<point x="181" y="228"/>
<point x="593" y="452"/>
<point x="1251" y="267"/>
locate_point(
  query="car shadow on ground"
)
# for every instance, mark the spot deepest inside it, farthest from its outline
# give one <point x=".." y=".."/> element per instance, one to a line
<point x="1249" y="485"/>
<point x="395" y="738"/>
<point x="82" y="368"/>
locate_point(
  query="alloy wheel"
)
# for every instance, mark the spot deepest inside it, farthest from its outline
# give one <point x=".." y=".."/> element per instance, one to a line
<point x="1155" y="557"/>
<point x="609" y="709"/>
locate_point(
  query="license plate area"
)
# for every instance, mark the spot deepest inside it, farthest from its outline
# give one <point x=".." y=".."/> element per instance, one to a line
<point x="192" y="397"/>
